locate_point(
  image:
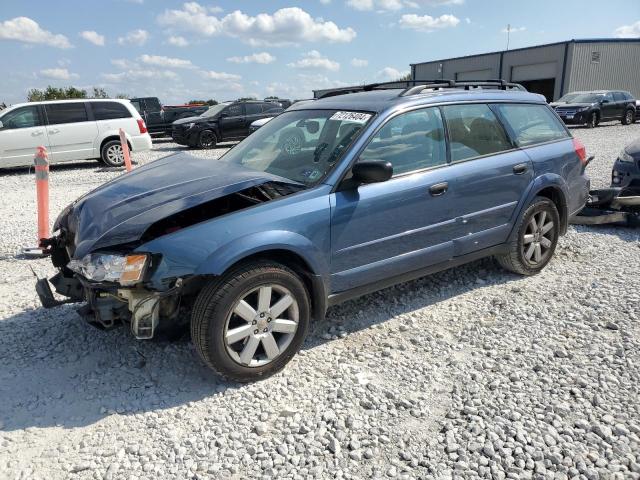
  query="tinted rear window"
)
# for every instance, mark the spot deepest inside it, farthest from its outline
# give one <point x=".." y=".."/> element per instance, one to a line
<point x="152" y="104"/>
<point x="532" y="124"/>
<point x="618" y="97"/>
<point x="253" y="108"/>
<point x="66" y="113"/>
<point x="109" y="110"/>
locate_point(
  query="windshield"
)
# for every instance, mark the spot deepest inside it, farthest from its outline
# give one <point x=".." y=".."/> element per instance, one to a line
<point x="216" y="109"/>
<point x="586" y="98"/>
<point x="568" y="97"/>
<point x="300" y="145"/>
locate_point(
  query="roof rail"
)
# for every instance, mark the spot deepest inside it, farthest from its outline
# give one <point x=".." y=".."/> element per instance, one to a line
<point x="414" y="87"/>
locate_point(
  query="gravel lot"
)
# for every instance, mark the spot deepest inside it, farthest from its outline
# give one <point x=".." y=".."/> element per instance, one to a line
<point x="470" y="373"/>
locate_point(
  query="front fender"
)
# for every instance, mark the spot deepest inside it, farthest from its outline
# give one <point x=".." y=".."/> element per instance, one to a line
<point x="230" y="253"/>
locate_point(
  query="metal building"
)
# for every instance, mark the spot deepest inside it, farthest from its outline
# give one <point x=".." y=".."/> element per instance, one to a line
<point x="552" y="69"/>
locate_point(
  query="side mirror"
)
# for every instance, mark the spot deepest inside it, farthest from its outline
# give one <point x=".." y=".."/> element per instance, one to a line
<point x="604" y="100"/>
<point x="223" y="115"/>
<point x="372" y="172"/>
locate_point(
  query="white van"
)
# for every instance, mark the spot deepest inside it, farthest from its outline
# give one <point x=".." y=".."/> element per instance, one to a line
<point x="71" y="130"/>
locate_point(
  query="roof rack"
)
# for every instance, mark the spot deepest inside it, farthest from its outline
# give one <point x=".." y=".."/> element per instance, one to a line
<point x="414" y="87"/>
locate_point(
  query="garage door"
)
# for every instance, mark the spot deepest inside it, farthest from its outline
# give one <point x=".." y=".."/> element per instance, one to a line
<point x="533" y="72"/>
<point x="474" y="75"/>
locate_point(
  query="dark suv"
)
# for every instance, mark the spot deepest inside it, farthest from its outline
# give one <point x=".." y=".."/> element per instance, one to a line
<point x="224" y="122"/>
<point x="590" y="108"/>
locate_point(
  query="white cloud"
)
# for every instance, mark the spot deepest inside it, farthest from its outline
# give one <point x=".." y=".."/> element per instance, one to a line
<point x="58" y="74"/>
<point x="23" y="29"/>
<point x="122" y="63"/>
<point x="325" y="2"/>
<point x="393" y="5"/>
<point x="177" y="41"/>
<point x="314" y="59"/>
<point x="132" y="75"/>
<point x="93" y="37"/>
<point x="390" y="73"/>
<point x="303" y="86"/>
<point x="284" y="27"/>
<point x="514" y="29"/>
<point x="359" y="62"/>
<point x="628" y="31"/>
<point x="427" y="23"/>
<point x="166" y="62"/>
<point x="135" y="37"/>
<point x="262" y="57"/>
<point x="223" y="76"/>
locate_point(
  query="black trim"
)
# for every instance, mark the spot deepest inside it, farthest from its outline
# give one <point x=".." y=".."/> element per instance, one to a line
<point x="564" y="68"/>
<point x="352" y="293"/>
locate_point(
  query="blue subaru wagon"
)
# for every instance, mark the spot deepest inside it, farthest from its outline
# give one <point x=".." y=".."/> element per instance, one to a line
<point x="378" y="187"/>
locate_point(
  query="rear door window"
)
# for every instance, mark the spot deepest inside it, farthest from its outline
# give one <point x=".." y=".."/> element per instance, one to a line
<point x="254" y="108"/>
<point x="152" y="104"/>
<point x="618" y="97"/>
<point x="23" y="117"/>
<point x="474" y="131"/>
<point x="109" y="110"/>
<point x="531" y="124"/>
<point x="58" y="113"/>
<point x="235" y="110"/>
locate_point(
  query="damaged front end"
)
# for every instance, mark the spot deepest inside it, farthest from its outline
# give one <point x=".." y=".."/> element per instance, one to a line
<point x="100" y="252"/>
<point x="615" y="205"/>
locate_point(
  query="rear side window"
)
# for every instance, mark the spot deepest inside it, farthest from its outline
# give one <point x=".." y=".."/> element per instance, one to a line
<point x="234" y="110"/>
<point x="66" y="113"/>
<point x="254" y="108"/>
<point x="531" y="124"/>
<point x="136" y="105"/>
<point x="152" y="104"/>
<point x="474" y="131"/>
<point x="627" y="95"/>
<point x="618" y="97"/>
<point x="23" y="117"/>
<point x="109" y="110"/>
<point x="411" y="141"/>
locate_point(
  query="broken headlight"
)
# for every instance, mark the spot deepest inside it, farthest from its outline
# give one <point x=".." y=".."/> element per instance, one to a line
<point x="123" y="269"/>
<point x="625" y="157"/>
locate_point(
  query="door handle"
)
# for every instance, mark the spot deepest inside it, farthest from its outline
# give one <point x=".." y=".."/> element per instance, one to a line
<point x="438" y="189"/>
<point x="37" y="134"/>
<point x="55" y="130"/>
<point x="520" y="168"/>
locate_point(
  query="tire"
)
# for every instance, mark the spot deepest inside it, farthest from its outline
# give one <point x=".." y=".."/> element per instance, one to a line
<point x="629" y="117"/>
<point x="111" y="153"/>
<point x="528" y="253"/>
<point x="593" y="120"/>
<point x="207" y="139"/>
<point x="291" y="142"/>
<point x="245" y="358"/>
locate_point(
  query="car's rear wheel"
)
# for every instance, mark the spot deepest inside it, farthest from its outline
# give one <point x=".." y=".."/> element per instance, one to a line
<point x="629" y="117"/>
<point x="593" y="120"/>
<point x="251" y="322"/>
<point x="112" y="154"/>
<point x="207" y="139"/>
<point x="535" y="242"/>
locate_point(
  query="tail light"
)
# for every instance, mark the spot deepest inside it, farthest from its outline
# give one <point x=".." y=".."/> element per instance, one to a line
<point x="142" y="126"/>
<point x="581" y="151"/>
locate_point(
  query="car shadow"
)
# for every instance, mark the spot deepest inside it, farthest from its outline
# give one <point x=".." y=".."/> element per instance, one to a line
<point x="625" y="233"/>
<point x="612" y="123"/>
<point x="59" y="371"/>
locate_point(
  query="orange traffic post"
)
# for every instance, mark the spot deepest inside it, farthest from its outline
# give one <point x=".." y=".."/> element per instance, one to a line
<point x="125" y="150"/>
<point x="41" y="162"/>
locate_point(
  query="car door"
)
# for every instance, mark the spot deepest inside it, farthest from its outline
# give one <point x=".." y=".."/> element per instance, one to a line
<point x="489" y="175"/>
<point x="72" y="133"/>
<point x="620" y="103"/>
<point x="385" y="229"/>
<point x="22" y="132"/>
<point x="253" y="112"/>
<point x="608" y="109"/>
<point x="233" y="122"/>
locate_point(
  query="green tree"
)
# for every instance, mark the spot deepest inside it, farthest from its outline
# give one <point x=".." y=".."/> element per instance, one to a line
<point x="246" y="98"/>
<point x="99" y="92"/>
<point x="123" y="96"/>
<point x="55" y="93"/>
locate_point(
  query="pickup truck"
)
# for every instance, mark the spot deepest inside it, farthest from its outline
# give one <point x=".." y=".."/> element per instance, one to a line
<point x="159" y="117"/>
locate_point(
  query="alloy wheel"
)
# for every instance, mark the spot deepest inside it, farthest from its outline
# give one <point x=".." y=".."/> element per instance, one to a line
<point x="261" y="325"/>
<point x="115" y="155"/>
<point x="629" y="117"/>
<point x="537" y="241"/>
<point x="207" y="140"/>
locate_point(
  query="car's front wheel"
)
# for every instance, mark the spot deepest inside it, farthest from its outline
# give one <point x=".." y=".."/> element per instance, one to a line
<point x="248" y="324"/>
<point x="629" y="117"/>
<point x="207" y="139"/>
<point x="536" y="239"/>
<point x="592" y="120"/>
<point x="112" y="154"/>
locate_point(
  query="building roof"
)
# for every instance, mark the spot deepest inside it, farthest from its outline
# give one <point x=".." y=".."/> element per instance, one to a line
<point x="497" y="52"/>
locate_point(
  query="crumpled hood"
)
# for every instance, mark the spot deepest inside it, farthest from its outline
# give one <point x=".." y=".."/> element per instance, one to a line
<point x="633" y="148"/>
<point x="120" y="211"/>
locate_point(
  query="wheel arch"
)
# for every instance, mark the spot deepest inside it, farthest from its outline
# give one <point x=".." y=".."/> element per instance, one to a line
<point x="108" y="138"/>
<point x="557" y="196"/>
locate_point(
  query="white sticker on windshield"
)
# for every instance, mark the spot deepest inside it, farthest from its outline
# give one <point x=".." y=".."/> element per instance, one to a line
<point x="357" y="117"/>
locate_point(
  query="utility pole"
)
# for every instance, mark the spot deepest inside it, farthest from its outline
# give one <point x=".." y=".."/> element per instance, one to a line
<point x="508" y="34"/>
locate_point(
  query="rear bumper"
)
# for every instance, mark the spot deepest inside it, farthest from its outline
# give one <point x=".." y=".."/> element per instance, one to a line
<point x="141" y="143"/>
